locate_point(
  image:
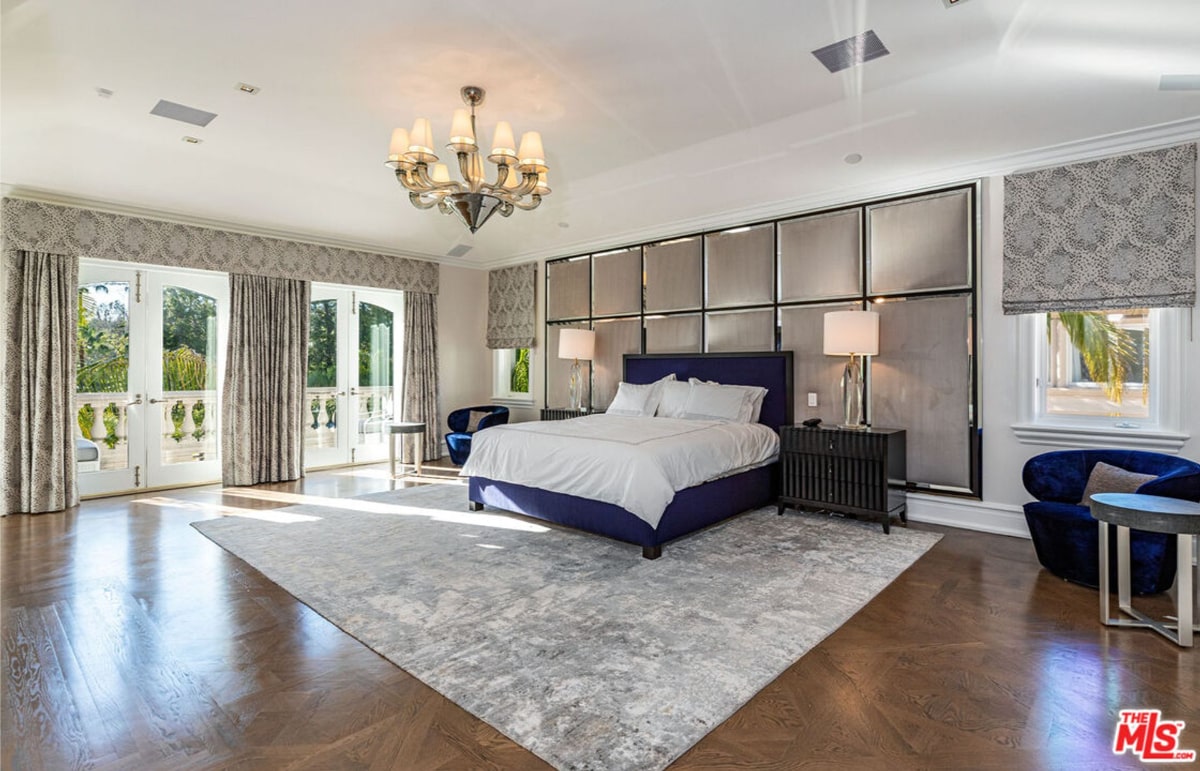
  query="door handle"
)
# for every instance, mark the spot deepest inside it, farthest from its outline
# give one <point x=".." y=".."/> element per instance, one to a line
<point x="158" y="401"/>
<point x="137" y="399"/>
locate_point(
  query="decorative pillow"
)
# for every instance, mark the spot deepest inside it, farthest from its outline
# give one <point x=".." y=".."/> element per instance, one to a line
<point x="473" y="420"/>
<point x="714" y="402"/>
<point x="637" y="400"/>
<point x="1111" y="479"/>
<point x="674" y="399"/>
<point x="753" y="395"/>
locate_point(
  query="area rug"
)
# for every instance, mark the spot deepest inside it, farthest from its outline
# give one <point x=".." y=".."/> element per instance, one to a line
<point x="571" y="644"/>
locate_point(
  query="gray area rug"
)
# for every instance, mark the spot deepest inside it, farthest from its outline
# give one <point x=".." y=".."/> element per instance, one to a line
<point x="571" y="644"/>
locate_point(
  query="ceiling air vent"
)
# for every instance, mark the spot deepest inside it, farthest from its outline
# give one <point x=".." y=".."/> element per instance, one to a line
<point x="844" y="54"/>
<point x="181" y="112"/>
<point x="1179" y="83"/>
<point x="459" y="250"/>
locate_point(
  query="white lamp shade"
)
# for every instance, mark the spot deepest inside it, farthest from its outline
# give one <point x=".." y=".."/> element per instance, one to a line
<point x="852" y="332"/>
<point x="502" y="140"/>
<point x="576" y="344"/>
<point x="421" y="137"/>
<point x="462" y="134"/>
<point x="531" y="152"/>
<point x="399" y="145"/>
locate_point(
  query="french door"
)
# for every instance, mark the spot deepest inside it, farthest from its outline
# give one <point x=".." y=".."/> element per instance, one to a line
<point x="354" y="370"/>
<point x="151" y="351"/>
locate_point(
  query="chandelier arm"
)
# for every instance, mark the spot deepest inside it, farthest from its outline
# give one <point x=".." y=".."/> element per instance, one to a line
<point x="409" y="181"/>
<point x="534" y="202"/>
<point x="416" y="200"/>
<point x="506" y="209"/>
<point x="527" y="186"/>
<point x="464" y="168"/>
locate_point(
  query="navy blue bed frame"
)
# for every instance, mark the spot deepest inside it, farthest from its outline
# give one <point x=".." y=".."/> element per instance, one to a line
<point x="692" y="509"/>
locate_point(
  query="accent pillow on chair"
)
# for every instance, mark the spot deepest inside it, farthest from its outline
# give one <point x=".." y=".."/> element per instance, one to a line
<point x="473" y="420"/>
<point x="1066" y="536"/>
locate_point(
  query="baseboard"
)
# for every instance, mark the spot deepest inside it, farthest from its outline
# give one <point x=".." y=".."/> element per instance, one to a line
<point x="999" y="518"/>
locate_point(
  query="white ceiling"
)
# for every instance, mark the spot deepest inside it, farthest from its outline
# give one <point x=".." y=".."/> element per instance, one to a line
<point x="658" y="116"/>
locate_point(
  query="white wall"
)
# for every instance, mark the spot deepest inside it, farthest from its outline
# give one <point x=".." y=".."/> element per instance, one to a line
<point x="464" y="362"/>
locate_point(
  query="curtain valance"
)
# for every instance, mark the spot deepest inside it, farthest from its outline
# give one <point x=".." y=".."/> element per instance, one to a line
<point x="79" y="232"/>
<point x="1111" y="234"/>
<point x="511" y="306"/>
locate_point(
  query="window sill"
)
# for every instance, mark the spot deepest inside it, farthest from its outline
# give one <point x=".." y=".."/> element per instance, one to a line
<point x="1099" y="436"/>
<point x="515" y="401"/>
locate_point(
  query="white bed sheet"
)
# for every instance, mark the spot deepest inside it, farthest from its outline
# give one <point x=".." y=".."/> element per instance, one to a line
<point x="636" y="463"/>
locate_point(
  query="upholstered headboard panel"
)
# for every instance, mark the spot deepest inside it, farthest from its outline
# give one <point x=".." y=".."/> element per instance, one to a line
<point x="772" y="371"/>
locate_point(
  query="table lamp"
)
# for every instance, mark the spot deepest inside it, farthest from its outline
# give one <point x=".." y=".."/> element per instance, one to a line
<point x="854" y="334"/>
<point x="576" y="344"/>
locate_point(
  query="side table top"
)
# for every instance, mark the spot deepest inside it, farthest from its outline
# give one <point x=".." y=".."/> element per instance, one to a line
<point x="406" y="428"/>
<point x="1155" y="513"/>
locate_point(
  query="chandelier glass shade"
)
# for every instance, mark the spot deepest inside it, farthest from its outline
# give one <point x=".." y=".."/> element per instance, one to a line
<point x="520" y="173"/>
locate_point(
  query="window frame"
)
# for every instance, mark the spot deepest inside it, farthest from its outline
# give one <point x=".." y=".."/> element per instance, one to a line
<point x="1161" y="431"/>
<point x="502" y="364"/>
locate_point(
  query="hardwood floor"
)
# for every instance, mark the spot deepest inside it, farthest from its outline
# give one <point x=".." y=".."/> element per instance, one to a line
<point x="133" y="642"/>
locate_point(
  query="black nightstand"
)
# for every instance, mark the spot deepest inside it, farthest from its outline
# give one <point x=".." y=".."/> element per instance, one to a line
<point x="562" y="413"/>
<point x="849" y="471"/>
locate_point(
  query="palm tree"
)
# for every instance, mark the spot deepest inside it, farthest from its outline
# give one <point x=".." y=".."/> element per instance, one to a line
<point x="1107" y="348"/>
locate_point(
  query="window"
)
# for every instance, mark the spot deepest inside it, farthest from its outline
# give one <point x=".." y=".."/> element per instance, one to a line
<point x="1101" y="378"/>
<point x="510" y="375"/>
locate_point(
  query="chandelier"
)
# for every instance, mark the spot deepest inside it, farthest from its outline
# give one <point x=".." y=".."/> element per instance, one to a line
<point x="520" y="181"/>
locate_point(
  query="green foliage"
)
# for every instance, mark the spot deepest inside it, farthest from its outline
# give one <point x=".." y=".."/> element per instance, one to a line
<point x="518" y="381"/>
<point x="184" y="370"/>
<point x="102" y="338"/>
<point x="111" y="417"/>
<point x="87" y="418"/>
<point x="1107" y="349"/>
<point x="322" y="344"/>
<point x="186" y="319"/>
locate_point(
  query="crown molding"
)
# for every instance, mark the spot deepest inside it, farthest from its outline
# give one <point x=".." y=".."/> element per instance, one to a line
<point x="111" y="207"/>
<point x="1148" y="138"/>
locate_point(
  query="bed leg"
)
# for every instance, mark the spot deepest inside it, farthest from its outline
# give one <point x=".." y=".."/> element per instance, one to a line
<point x="474" y="506"/>
<point x="652" y="552"/>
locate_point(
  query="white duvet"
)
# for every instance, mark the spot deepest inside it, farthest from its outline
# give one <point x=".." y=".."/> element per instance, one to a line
<point x="635" y="463"/>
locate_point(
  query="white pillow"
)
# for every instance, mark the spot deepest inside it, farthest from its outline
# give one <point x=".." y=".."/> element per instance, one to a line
<point x="674" y="399"/>
<point x="754" y="395"/>
<point x="714" y="402"/>
<point x="638" y="400"/>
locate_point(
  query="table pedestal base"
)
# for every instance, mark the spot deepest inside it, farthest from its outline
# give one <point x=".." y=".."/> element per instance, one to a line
<point x="1182" y="631"/>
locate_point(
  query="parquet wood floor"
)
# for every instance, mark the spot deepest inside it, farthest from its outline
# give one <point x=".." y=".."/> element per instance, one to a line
<point x="133" y="642"/>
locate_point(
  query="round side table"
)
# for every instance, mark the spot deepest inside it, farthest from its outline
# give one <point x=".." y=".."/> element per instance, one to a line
<point x="1159" y="515"/>
<point x="415" y="430"/>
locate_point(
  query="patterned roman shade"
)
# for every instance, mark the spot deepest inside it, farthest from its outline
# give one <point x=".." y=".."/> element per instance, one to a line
<point x="511" y="309"/>
<point x="79" y="232"/>
<point x="1104" y="235"/>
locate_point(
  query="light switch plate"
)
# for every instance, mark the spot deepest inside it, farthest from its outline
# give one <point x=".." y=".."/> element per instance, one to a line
<point x="812" y="398"/>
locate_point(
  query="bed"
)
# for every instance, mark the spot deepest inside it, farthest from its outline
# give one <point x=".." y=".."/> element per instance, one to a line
<point x="691" y="509"/>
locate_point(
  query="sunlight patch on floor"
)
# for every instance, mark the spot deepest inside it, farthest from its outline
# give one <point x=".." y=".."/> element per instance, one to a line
<point x="473" y="518"/>
<point x="267" y="515"/>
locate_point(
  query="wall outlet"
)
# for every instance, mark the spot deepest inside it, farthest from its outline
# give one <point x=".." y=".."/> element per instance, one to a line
<point x="812" y="399"/>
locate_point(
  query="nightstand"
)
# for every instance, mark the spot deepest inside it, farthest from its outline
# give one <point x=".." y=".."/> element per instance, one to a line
<point x="850" y="471"/>
<point x="562" y="413"/>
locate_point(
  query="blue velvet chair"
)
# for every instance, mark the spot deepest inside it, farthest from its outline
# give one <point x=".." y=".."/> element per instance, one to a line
<point x="459" y="440"/>
<point x="1065" y="534"/>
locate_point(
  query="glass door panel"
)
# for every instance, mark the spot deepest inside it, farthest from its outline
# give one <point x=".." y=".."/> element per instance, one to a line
<point x="374" y="398"/>
<point x="108" y="401"/>
<point x="326" y="440"/>
<point x="183" y="414"/>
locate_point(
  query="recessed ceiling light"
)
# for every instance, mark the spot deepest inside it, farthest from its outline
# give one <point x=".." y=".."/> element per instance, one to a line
<point x="104" y="93"/>
<point x="564" y="224"/>
<point x="193" y="140"/>
<point x="852" y="158"/>
<point x="847" y="53"/>
<point x="246" y="88"/>
<point x="1179" y="83"/>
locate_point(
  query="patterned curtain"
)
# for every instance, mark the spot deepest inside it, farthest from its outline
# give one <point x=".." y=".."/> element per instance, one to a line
<point x="266" y="372"/>
<point x="1105" y="235"/>
<point x="39" y="382"/>
<point x="511" y="303"/>
<point x="420" y="400"/>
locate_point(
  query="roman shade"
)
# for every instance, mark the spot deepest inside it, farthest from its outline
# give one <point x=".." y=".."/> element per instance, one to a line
<point x="1112" y="234"/>
<point x="511" y="309"/>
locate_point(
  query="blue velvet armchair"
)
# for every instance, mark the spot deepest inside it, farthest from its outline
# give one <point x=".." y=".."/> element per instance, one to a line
<point x="1065" y="534"/>
<point x="459" y="439"/>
